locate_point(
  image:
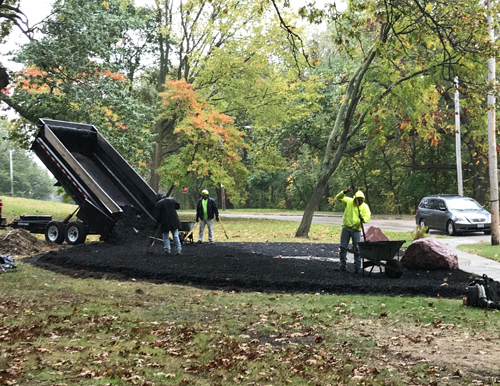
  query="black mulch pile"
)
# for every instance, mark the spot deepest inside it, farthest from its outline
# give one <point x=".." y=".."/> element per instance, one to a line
<point x="263" y="267"/>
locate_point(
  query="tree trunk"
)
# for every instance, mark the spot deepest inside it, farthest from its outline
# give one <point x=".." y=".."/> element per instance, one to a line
<point x="319" y="190"/>
<point x="154" y="179"/>
<point x="340" y="135"/>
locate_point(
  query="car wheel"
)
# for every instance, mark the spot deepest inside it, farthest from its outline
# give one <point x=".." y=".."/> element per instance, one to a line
<point x="450" y="228"/>
<point x="54" y="232"/>
<point x="422" y="225"/>
<point x="487" y="232"/>
<point x="76" y="233"/>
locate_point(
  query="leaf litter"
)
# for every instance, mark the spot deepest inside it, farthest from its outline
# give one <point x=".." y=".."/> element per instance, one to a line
<point x="254" y="267"/>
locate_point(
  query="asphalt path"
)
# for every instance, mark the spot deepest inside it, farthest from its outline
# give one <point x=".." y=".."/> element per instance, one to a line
<point x="467" y="261"/>
<point x="386" y="224"/>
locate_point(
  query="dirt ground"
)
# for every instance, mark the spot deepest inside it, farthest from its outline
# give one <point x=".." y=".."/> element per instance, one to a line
<point x="18" y="242"/>
<point x="268" y="267"/>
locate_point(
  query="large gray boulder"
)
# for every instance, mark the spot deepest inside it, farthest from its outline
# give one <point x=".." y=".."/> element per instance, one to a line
<point x="429" y="254"/>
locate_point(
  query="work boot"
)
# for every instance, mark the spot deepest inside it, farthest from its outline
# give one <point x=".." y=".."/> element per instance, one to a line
<point x="167" y="252"/>
<point x="211" y="242"/>
<point x="178" y="253"/>
<point x="342" y="268"/>
<point x="199" y="242"/>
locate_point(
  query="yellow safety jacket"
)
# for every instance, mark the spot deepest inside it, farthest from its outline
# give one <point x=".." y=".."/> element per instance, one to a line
<point x="351" y="220"/>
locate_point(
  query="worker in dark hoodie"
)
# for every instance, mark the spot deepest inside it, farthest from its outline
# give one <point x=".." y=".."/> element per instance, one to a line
<point x="166" y="215"/>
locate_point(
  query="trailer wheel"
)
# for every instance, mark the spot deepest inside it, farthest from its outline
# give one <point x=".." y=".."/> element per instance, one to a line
<point x="54" y="232"/>
<point x="76" y="233"/>
<point x="393" y="269"/>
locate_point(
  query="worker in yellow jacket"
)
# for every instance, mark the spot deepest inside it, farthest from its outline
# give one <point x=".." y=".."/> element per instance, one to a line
<point x="356" y="212"/>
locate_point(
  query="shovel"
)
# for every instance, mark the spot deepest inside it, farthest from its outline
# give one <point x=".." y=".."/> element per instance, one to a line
<point x="220" y="222"/>
<point x="150" y="249"/>
<point x="363" y="229"/>
<point x="156" y="236"/>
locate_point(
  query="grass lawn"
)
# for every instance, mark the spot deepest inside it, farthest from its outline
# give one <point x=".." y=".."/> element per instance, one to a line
<point x="61" y="330"/>
<point x="482" y="249"/>
<point x="237" y="229"/>
<point x="13" y="207"/>
<point x="55" y="329"/>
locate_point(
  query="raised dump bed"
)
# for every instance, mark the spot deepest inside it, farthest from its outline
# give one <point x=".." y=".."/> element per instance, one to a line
<point x="96" y="176"/>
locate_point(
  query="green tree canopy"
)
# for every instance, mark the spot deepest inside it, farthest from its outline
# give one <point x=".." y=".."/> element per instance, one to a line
<point x="75" y="72"/>
<point x="29" y="179"/>
<point x="210" y="142"/>
<point x="393" y="45"/>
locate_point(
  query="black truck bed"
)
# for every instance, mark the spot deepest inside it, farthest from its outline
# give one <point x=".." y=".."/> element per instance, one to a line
<point x="96" y="176"/>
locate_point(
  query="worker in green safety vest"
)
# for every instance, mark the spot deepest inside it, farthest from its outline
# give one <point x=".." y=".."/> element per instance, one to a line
<point x="356" y="213"/>
<point x="206" y="210"/>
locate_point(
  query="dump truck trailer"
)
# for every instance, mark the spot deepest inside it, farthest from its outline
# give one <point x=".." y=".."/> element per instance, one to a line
<point x="94" y="174"/>
<point x="3" y="220"/>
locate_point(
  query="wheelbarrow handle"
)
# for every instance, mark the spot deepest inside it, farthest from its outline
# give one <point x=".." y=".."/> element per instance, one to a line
<point x="190" y="232"/>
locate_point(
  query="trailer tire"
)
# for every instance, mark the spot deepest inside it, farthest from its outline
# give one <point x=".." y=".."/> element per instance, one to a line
<point x="54" y="232"/>
<point x="393" y="269"/>
<point x="76" y="233"/>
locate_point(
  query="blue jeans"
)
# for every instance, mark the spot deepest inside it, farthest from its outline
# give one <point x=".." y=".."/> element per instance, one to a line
<point x="177" y="241"/>
<point x="345" y="236"/>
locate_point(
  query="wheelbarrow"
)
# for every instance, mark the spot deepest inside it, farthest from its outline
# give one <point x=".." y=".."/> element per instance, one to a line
<point x="185" y="231"/>
<point x="381" y="254"/>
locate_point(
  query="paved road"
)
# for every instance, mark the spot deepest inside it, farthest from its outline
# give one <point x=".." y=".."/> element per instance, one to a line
<point x="395" y="225"/>
<point x="466" y="261"/>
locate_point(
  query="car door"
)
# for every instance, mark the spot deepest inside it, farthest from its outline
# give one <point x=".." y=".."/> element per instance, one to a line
<point x="430" y="218"/>
<point x="441" y="214"/>
<point x="423" y="211"/>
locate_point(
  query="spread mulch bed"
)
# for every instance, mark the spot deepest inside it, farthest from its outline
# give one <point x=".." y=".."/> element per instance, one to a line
<point x="262" y="267"/>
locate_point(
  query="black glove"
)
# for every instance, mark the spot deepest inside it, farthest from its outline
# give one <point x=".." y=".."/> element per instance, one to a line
<point x="217" y="219"/>
<point x="349" y="189"/>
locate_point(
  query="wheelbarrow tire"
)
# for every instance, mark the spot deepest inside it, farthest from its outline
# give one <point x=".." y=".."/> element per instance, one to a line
<point x="394" y="269"/>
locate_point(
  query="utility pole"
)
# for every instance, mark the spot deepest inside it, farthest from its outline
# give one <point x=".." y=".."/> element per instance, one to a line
<point x="11" y="174"/>
<point x="458" y="143"/>
<point x="223" y="197"/>
<point x="492" y="142"/>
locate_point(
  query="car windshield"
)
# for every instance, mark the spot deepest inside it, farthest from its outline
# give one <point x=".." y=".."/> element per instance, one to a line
<point x="463" y="204"/>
